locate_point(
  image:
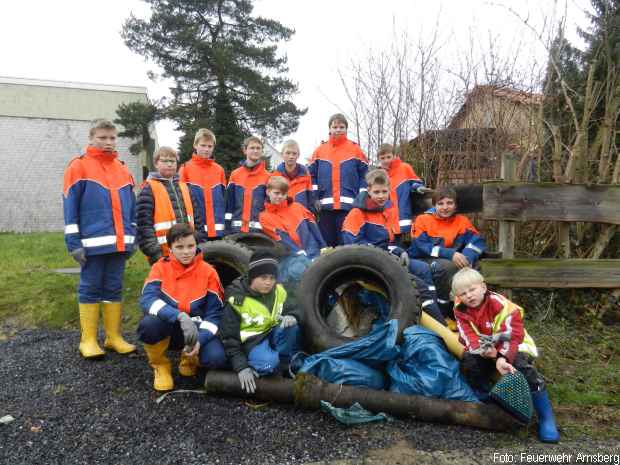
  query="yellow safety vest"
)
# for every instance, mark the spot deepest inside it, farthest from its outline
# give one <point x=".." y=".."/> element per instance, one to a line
<point x="255" y="317"/>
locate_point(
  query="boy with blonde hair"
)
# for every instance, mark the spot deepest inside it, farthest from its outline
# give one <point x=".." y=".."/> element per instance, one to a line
<point x="297" y="175"/>
<point x="100" y="229"/>
<point x="492" y="329"/>
<point x="207" y="181"/>
<point x="245" y="194"/>
<point x="163" y="202"/>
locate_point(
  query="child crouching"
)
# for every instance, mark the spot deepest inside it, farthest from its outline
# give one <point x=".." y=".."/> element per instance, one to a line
<point x="182" y="305"/>
<point x="259" y="329"/>
<point x="480" y="312"/>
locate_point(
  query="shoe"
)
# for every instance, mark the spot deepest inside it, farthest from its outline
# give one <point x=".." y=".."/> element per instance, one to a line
<point x="162" y="368"/>
<point x="547" y="429"/>
<point x="89" y="323"/>
<point x="188" y="366"/>
<point x="112" y="324"/>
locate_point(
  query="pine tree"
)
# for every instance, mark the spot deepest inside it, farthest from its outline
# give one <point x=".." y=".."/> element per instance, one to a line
<point x="227" y="73"/>
<point x="137" y="118"/>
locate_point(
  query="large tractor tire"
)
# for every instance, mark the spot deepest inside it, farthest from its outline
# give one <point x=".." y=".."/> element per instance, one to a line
<point x="229" y="259"/>
<point x="257" y="240"/>
<point x="346" y="265"/>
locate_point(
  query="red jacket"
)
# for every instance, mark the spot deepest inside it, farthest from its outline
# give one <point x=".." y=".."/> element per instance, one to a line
<point x="207" y="181"/>
<point x="474" y="321"/>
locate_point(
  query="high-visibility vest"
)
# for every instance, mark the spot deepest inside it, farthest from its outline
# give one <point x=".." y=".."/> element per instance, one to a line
<point x="527" y="345"/>
<point x="255" y="317"/>
<point x="163" y="216"/>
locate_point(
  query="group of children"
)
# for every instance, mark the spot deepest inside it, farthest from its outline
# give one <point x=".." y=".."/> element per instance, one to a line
<point x="251" y="326"/>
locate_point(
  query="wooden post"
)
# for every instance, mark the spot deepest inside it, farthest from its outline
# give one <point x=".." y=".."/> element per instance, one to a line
<point x="506" y="237"/>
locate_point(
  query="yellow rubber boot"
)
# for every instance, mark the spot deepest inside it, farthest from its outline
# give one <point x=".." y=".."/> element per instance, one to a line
<point x="188" y="365"/>
<point x="162" y="368"/>
<point x="89" y="322"/>
<point x="112" y="324"/>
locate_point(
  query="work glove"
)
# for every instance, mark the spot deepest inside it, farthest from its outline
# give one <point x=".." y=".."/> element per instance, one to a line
<point x="79" y="255"/>
<point x="288" y="321"/>
<point x="404" y="259"/>
<point x="317" y="206"/>
<point x="423" y="190"/>
<point x="190" y="332"/>
<point x="246" y="378"/>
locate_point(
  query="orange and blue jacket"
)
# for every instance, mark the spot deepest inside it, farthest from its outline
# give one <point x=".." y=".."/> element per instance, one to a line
<point x="245" y="197"/>
<point x="369" y="224"/>
<point x="207" y="182"/>
<point x="291" y="224"/>
<point x="403" y="181"/>
<point x="299" y="185"/>
<point x="432" y="236"/>
<point x="99" y="204"/>
<point x="338" y="169"/>
<point x="195" y="289"/>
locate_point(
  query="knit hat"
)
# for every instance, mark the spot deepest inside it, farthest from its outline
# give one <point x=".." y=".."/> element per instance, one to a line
<point x="262" y="262"/>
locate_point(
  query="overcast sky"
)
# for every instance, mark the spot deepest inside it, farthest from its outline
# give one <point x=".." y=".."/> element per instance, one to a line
<point x="79" y="40"/>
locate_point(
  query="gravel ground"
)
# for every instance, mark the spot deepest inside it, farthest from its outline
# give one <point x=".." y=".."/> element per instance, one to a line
<point x="71" y="411"/>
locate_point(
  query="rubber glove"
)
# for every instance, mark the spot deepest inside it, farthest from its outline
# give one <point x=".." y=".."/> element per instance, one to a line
<point x="287" y="321"/>
<point x="79" y="255"/>
<point x="246" y="378"/>
<point x="190" y="332"/>
<point x="404" y="259"/>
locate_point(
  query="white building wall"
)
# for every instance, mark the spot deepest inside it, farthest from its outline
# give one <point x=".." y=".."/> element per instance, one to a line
<point x="34" y="153"/>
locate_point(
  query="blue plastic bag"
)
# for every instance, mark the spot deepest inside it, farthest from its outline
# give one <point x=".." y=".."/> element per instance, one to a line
<point x="358" y="363"/>
<point x="426" y="368"/>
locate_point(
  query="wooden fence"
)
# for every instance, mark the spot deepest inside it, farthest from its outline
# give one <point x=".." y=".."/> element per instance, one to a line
<point x="510" y="202"/>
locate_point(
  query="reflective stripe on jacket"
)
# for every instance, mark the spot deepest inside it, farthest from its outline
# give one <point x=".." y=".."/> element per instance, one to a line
<point x="403" y="181"/>
<point x="255" y="317"/>
<point x="164" y="216"/>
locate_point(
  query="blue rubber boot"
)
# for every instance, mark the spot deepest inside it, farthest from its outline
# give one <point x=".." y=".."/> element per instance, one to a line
<point x="547" y="429"/>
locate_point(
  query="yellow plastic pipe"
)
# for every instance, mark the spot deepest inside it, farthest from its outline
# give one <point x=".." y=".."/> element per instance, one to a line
<point x="451" y="339"/>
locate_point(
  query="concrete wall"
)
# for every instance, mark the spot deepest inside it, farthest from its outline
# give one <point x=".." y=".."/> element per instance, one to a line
<point x="34" y="153"/>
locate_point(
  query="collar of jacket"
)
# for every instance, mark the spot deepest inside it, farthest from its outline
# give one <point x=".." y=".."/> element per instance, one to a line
<point x="271" y="208"/>
<point x="394" y="165"/>
<point x="298" y="171"/>
<point x="100" y="154"/>
<point x="259" y="167"/>
<point x="202" y="161"/>
<point x="365" y="203"/>
<point x="180" y="269"/>
<point x="337" y="140"/>
<point x="155" y="175"/>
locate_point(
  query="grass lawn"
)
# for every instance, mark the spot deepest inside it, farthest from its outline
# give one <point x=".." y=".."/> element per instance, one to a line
<point x="580" y="361"/>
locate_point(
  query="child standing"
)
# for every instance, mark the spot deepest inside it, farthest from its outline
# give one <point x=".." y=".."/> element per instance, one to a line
<point x="297" y="176"/>
<point x="99" y="212"/>
<point x="182" y="305"/>
<point x="291" y="224"/>
<point x="259" y="329"/>
<point x="163" y="202"/>
<point x="207" y="181"/>
<point x="403" y="181"/>
<point x="245" y="194"/>
<point x="338" y="169"/>
<point x="481" y="312"/>
<point x="372" y="221"/>
<point x="447" y="240"/>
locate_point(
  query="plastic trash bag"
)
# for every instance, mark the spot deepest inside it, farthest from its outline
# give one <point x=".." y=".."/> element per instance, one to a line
<point x="292" y="268"/>
<point x="354" y="415"/>
<point x="426" y="368"/>
<point x="357" y="363"/>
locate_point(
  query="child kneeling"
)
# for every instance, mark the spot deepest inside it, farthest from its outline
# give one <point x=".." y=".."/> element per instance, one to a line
<point x="480" y="314"/>
<point x="182" y="305"/>
<point x="259" y="329"/>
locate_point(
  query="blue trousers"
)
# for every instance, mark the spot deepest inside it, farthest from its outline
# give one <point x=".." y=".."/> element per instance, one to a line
<point x="151" y="330"/>
<point x="101" y="278"/>
<point x="278" y="347"/>
<point x="330" y="225"/>
<point x="423" y="278"/>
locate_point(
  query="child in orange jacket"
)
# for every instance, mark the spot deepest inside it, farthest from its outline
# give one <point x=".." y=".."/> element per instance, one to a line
<point x="245" y="194"/>
<point x="207" y="182"/>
